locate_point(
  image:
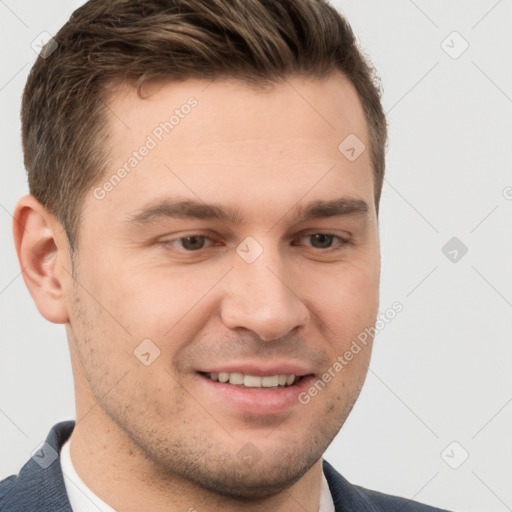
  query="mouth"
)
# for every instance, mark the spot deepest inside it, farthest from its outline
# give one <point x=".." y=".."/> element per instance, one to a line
<point x="257" y="395"/>
<point x="253" y="389"/>
<point x="254" y="381"/>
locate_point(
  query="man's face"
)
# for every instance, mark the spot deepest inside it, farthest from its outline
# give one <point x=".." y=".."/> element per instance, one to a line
<point x="237" y="244"/>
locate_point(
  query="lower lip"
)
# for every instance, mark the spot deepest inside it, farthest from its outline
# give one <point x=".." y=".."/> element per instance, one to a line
<point x="259" y="401"/>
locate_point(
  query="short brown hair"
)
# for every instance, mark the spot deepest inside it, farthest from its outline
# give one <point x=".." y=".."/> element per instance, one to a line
<point x="64" y="122"/>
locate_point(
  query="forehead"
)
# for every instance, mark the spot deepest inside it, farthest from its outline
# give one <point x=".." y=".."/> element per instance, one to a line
<point x="231" y="112"/>
<point x="237" y="143"/>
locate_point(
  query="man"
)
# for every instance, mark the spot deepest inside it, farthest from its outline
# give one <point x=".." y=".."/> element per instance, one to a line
<point x="205" y="178"/>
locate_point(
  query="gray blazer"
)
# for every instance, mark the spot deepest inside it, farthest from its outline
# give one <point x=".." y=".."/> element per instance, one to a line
<point x="39" y="486"/>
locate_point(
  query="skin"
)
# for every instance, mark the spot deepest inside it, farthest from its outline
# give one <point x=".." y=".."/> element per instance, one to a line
<point x="149" y="437"/>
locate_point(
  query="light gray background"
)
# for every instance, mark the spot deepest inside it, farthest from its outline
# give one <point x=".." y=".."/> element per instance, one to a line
<point x="441" y="370"/>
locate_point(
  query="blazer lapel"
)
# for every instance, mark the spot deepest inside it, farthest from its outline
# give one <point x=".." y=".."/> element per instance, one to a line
<point x="345" y="496"/>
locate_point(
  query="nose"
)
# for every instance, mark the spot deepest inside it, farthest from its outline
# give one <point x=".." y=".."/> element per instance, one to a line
<point x="259" y="297"/>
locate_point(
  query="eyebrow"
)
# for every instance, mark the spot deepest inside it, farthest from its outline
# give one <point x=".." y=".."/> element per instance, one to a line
<point x="192" y="209"/>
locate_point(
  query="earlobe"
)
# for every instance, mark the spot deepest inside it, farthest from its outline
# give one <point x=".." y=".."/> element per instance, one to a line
<point x="41" y="249"/>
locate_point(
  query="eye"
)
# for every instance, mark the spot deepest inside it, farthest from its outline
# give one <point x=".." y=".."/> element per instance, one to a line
<point x="190" y="243"/>
<point x="321" y="240"/>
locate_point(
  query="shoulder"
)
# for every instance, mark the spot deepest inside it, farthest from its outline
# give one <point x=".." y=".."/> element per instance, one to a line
<point x="40" y="484"/>
<point x="347" y="496"/>
<point x="6" y="487"/>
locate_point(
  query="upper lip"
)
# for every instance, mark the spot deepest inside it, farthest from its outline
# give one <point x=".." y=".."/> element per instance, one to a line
<point x="260" y="370"/>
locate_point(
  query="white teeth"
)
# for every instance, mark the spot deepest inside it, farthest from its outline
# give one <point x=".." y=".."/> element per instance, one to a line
<point x="268" y="382"/>
<point x="253" y="381"/>
<point x="236" y="378"/>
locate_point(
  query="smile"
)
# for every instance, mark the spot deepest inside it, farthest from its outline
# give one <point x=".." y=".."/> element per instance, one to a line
<point x="253" y="381"/>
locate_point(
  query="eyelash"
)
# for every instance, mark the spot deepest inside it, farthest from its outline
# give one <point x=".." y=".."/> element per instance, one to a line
<point x="340" y="244"/>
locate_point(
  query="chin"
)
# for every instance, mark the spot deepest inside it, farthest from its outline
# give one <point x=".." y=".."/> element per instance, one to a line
<point x="251" y="483"/>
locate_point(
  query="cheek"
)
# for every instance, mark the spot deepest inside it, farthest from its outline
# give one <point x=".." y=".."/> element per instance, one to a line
<point x="162" y="302"/>
<point x="346" y="307"/>
<point x="100" y="347"/>
<point x="346" y="298"/>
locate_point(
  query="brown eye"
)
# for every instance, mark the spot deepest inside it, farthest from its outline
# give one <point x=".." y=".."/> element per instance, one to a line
<point x="193" y="243"/>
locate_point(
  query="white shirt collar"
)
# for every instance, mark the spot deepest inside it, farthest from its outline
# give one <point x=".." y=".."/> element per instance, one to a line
<point x="82" y="499"/>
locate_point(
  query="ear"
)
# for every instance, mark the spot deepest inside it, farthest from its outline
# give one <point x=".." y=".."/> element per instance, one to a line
<point x="42" y="248"/>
